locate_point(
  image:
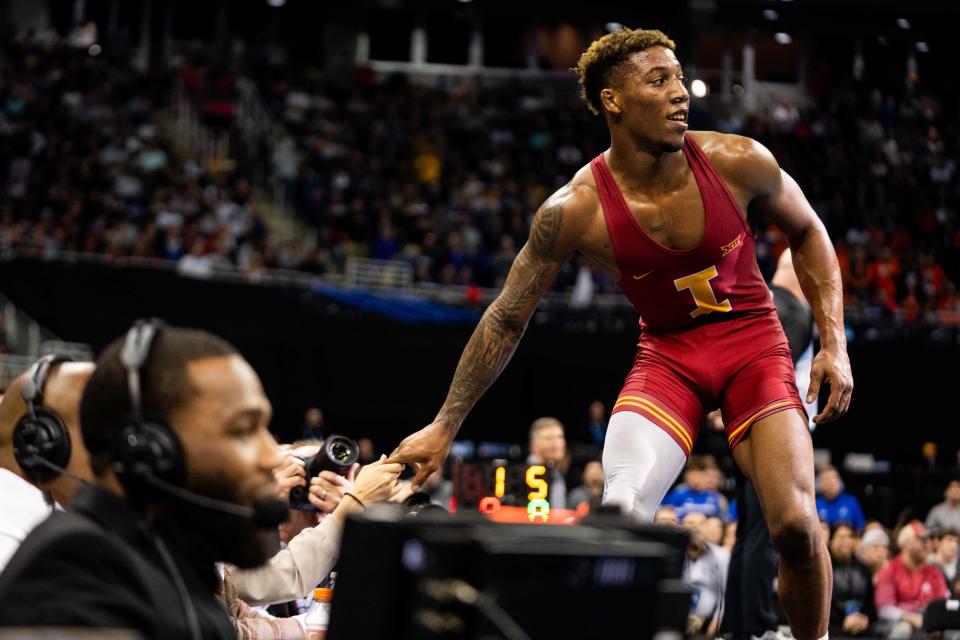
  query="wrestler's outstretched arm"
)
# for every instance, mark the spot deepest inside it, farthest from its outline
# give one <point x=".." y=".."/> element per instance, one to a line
<point x="553" y="238"/>
<point x="779" y="198"/>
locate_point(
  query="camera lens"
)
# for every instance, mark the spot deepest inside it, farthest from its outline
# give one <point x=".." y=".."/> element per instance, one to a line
<point x="340" y="451"/>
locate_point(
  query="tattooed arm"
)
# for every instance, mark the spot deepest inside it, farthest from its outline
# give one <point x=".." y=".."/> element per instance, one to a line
<point x="552" y="240"/>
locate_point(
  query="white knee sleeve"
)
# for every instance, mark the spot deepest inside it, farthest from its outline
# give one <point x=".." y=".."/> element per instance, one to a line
<point x="640" y="463"/>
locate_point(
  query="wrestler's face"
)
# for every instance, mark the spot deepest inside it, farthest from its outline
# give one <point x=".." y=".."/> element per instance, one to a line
<point x="230" y="454"/>
<point x="649" y="100"/>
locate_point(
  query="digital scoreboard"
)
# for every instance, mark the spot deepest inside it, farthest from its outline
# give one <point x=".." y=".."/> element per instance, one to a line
<point x="508" y="492"/>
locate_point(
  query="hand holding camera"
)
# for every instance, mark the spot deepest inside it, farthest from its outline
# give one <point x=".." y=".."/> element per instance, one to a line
<point x="328" y="488"/>
<point x="325" y="475"/>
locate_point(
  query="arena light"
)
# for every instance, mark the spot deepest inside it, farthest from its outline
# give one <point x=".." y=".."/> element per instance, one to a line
<point x="783" y="38"/>
<point x="614" y="26"/>
<point x="923" y="47"/>
<point x="276" y="3"/>
<point x="770" y="14"/>
<point x="699" y="88"/>
<point x="903" y="23"/>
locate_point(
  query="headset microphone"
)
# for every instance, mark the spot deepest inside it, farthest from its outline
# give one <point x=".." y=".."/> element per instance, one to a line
<point x="265" y="513"/>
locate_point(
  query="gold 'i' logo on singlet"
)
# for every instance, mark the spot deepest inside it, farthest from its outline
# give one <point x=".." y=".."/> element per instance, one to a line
<point x="703" y="295"/>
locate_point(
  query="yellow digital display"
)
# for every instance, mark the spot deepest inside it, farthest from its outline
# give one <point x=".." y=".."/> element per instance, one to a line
<point x="508" y="492"/>
<point x="535" y="482"/>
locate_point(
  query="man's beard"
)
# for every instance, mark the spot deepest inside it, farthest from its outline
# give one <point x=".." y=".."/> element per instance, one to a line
<point x="231" y="538"/>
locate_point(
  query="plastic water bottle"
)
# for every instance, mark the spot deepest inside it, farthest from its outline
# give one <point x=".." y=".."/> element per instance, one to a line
<point x="318" y="617"/>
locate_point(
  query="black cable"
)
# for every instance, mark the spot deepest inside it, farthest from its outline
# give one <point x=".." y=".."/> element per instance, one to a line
<point x="60" y="470"/>
<point x="464" y="593"/>
<point x="197" y="499"/>
<point x="47" y="496"/>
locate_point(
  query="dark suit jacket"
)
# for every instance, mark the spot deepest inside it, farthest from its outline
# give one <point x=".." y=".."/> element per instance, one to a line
<point x="97" y="566"/>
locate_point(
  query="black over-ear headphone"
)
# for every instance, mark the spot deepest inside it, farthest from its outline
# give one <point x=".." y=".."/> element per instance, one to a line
<point x="41" y="441"/>
<point x="147" y="447"/>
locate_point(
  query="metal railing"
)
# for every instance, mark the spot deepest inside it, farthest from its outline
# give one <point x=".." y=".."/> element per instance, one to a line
<point x="27" y="340"/>
<point x="394" y="276"/>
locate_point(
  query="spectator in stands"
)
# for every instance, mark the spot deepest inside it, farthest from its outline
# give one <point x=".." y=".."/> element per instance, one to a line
<point x="693" y="495"/>
<point x="946" y="515"/>
<point x="22" y="501"/>
<point x="834" y="506"/>
<point x="706" y="571"/>
<point x="548" y="447"/>
<point x="368" y="452"/>
<point x="597" y="424"/>
<point x="946" y="560"/>
<point x="908" y="583"/>
<point x="852" y="609"/>
<point x="591" y="489"/>
<point x="713" y="479"/>
<point x="713" y="530"/>
<point x="666" y="515"/>
<point x="875" y="549"/>
<point x="313" y="428"/>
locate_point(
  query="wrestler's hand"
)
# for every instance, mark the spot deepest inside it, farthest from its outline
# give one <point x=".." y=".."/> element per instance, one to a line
<point x="425" y="450"/>
<point x="831" y="366"/>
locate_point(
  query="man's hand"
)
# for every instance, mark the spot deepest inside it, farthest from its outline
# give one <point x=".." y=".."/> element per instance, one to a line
<point x="328" y="489"/>
<point x="915" y="619"/>
<point x="833" y="367"/>
<point x="378" y="481"/>
<point x="425" y="450"/>
<point x="856" y="623"/>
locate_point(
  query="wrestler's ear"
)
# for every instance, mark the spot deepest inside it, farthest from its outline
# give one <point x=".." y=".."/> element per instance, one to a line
<point x="611" y="100"/>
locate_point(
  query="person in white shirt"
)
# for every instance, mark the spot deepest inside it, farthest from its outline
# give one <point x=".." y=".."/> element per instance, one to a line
<point x="23" y="505"/>
<point x="310" y="552"/>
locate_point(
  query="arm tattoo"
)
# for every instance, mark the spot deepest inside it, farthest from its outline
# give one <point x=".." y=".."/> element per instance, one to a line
<point x="495" y="339"/>
<point x="546" y="229"/>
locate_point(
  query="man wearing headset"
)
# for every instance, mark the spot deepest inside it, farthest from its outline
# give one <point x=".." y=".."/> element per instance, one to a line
<point x="41" y="408"/>
<point x="175" y="422"/>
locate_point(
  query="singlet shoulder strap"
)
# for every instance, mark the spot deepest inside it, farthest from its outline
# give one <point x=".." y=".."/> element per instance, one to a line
<point x="712" y="184"/>
<point x="615" y="211"/>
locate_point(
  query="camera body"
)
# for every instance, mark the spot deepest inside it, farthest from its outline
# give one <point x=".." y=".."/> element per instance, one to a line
<point x="337" y="454"/>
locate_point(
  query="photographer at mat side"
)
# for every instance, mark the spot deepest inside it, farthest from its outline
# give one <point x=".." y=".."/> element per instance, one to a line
<point x="312" y="538"/>
<point x="171" y="418"/>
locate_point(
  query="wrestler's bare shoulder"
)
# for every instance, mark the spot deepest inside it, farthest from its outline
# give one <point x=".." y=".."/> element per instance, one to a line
<point x="742" y="161"/>
<point x="579" y="197"/>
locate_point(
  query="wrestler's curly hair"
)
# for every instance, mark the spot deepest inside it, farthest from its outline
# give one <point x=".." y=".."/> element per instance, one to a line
<point x="604" y="58"/>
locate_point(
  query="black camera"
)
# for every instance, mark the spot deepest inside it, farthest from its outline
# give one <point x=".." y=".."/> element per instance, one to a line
<point x="420" y="502"/>
<point x="337" y="454"/>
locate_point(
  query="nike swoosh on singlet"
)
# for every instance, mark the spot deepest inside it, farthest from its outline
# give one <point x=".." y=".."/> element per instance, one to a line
<point x="644" y="275"/>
